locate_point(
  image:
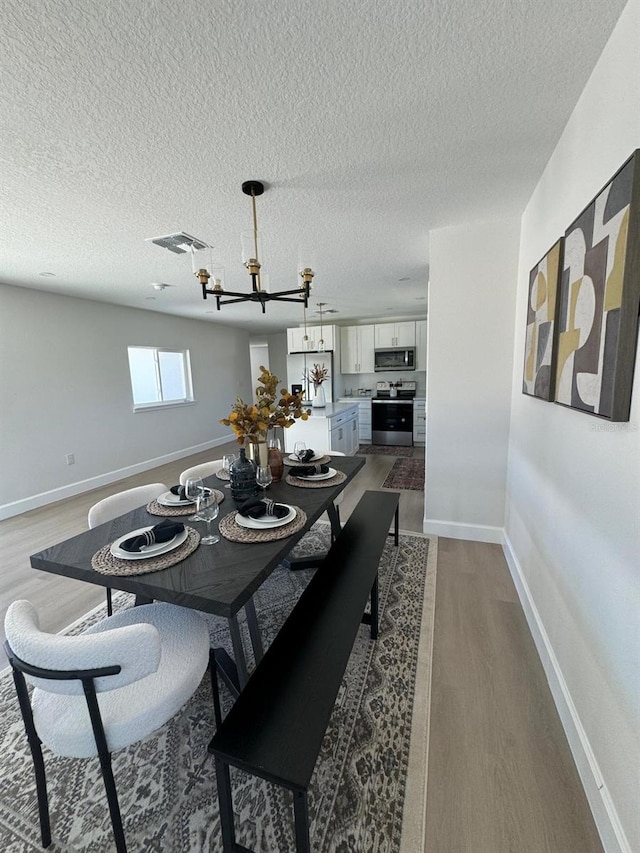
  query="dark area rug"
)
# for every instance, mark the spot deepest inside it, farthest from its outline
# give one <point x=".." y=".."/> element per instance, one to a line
<point x="384" y="450"/>
<point x="406" y="474"/>
<point x="167" y="784"/>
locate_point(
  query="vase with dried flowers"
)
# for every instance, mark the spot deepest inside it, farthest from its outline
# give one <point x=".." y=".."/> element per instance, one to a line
<point x="252" y="422"/>
<point x="317" y="375"/>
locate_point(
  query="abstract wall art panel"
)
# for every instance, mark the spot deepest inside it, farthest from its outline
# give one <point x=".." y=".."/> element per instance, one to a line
<point x="597" y="321"/>
<point x="539" y="355"/>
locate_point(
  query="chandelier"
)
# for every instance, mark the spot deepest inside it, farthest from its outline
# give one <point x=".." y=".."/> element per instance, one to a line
<point x="251" y="261"/>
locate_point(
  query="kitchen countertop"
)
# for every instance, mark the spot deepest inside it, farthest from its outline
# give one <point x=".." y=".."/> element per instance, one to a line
<point x="332" y="409"/>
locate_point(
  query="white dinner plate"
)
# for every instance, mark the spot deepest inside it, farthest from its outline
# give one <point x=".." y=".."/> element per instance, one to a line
<point x="150" y="550"/>
<point x="330" y="473"/>
<point x="314" y="458"/>
<point x="266" y="524"/>
<point x="169" y="499"/>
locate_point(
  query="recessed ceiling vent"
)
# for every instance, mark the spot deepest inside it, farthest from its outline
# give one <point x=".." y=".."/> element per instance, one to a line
<point x="179" y="243"/>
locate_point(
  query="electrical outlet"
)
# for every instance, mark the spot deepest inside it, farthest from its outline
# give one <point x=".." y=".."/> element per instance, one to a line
<point x="70" y="459"/>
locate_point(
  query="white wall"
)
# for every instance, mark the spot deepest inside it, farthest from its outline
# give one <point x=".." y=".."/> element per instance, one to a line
<point x="573" y="505"/>
<point x="277" y="344"/>
<point x="64" y="388"/>
<point x="473" y="271"/>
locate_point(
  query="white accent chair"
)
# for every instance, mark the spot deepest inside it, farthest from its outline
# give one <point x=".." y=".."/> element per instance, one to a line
<point x="132" y="672"/>
<point x="205" y="469"/>
<point x="118" y="504"/>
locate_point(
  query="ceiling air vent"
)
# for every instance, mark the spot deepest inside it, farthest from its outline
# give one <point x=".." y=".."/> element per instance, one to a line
<point x="178" y="243"/>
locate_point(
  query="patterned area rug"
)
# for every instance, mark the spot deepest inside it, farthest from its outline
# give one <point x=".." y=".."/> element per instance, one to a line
<point x="406" y="474"/>
<point x="167" y="784"/>
<point x="384" y="450"/>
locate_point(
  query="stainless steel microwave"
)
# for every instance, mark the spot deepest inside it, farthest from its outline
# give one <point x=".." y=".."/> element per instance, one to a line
<point x="394" y="359"/>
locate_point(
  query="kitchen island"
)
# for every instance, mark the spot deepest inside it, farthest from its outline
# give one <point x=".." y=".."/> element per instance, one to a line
<point x="332" y="428"/>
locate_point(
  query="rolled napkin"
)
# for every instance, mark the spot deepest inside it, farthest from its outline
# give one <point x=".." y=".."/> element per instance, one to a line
<point x="257" y="508"/>
<point x="162" y="532"/>
<point x="306" y="456"/>
<point x="179" y="491"/>
<point x="309" y="470"/>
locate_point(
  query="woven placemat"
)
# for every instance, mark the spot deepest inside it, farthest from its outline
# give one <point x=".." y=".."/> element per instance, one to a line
<point x="231" y="530"/>
<point x="104" y="562"/>
<point x="300" y="482"/>
<point x="223" y="475"/>
<point x="322" y="461"/>
<point x="154" y="508"/>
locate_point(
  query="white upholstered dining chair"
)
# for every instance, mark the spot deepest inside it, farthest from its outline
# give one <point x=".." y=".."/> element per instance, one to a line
<point x="120" y="503"/>
<point x="131" y="672"/>
<point x="205" y="469"/>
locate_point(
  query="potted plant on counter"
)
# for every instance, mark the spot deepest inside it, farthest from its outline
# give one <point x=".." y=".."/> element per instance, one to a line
<point x="317" y="375"/>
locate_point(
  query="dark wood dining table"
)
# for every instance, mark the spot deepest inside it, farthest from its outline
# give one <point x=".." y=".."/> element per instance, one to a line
<point x="219" y="579"/>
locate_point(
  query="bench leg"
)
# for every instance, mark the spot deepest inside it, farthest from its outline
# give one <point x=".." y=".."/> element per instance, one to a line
<point x="396" y="525"/>
<point x="223" y="780"/>
<point x="301" y="815"/>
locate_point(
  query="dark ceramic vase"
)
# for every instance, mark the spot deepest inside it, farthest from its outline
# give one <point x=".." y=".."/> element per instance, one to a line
<point x="242" y="475"/>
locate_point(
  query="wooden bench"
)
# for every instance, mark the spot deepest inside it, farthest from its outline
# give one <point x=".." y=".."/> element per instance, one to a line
<point x="276" y="726"/>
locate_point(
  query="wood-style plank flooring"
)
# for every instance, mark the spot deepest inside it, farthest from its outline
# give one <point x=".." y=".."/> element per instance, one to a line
<point x="501" y="778"/>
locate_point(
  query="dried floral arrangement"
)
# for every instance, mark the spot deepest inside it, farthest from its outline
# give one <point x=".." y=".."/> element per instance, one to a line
<point x="250" y="422"/>
<point x="317" y="374"/>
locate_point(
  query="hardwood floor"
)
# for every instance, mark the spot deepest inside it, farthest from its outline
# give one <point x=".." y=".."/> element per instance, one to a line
<point x="501" y="778"/>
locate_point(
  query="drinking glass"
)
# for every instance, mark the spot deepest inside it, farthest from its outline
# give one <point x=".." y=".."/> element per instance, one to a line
<point x="264" y="478"/>
<point x="208" y="509"/>
<point x="298" y="449"/>
<point x="227" y="461"/>
<point x="193" y="490"/>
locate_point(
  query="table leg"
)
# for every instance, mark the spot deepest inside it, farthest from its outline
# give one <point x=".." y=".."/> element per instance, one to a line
<point x="254" y="630"/>
<point x="238" y="651"/>
<point x="334" y="518"/>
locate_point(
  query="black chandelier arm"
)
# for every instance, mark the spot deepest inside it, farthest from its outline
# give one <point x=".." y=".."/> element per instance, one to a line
<point x="296" y="295"/>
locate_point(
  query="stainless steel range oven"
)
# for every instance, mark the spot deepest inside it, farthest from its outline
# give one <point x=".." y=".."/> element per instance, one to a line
<point x="392" y="413"/>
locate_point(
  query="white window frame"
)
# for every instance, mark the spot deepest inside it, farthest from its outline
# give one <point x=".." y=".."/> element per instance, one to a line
<point x="187" y="378"/>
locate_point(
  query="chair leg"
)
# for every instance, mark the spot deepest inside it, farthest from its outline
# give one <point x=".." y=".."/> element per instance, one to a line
<point x="105" y="764"/>
<point x="109" y="602"/>
<point x="36" y="754"/>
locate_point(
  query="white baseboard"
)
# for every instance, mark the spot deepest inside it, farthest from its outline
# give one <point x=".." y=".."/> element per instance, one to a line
<point x="612" y="834"/>
<point x="457" y="530"/>
<point x="34" y="501"/>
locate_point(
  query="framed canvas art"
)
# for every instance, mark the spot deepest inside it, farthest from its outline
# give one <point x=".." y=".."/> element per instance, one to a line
<point x="539" y="353"/>
<point x="597" y="322"/>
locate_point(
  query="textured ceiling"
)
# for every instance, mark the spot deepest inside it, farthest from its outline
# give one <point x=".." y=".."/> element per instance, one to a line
<point x="371" y="122"/>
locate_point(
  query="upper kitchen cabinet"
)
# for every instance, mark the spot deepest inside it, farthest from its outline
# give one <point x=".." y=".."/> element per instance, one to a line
<point x="296" y="342"/>
<point x="356" y="349"/>
<point x="421" y="344"/>
<point x="395" y="335"/>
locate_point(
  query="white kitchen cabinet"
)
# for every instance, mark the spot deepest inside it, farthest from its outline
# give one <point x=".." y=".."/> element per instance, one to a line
<point x="395" y="334"/>
<point x="419" y="420"/>
<point x="421" y="344"/>
<point x="356" y="349"/>
<point x="296" y="342"/>
<point x="344" y="432"/>
<point x="364" y="418"/>
<point x="333" y="428"/>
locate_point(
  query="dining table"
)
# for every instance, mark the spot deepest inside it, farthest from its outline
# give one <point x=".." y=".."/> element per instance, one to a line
<point x="219" y="579"/>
